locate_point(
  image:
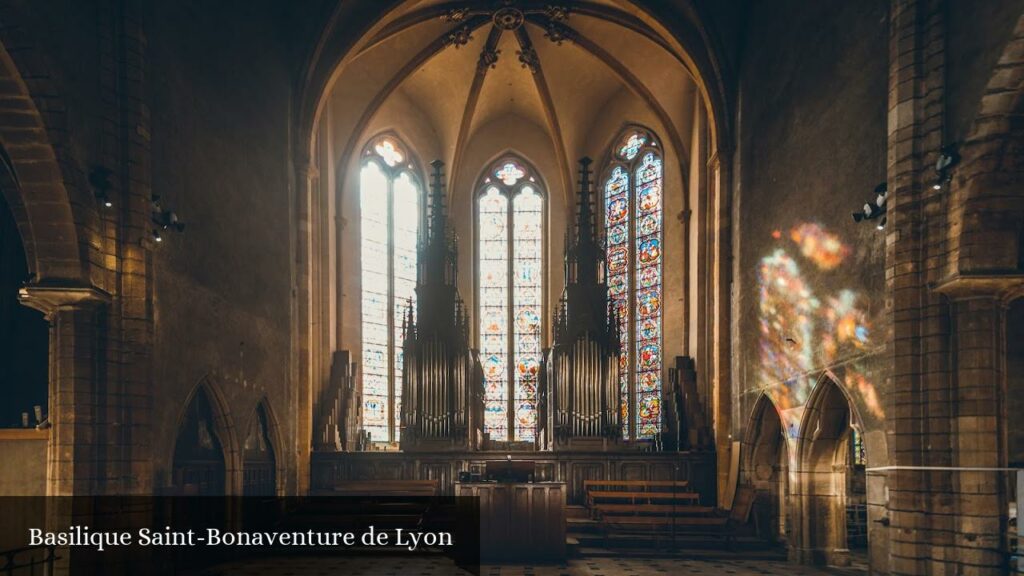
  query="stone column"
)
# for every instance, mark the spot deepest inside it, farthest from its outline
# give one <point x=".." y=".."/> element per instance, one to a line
<point x="979" y="487"/>
<point x="304" y="362"/>
<point x="73" y="404"/>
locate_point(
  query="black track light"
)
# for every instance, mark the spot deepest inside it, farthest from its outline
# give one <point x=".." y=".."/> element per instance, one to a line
<point x="948" y="158"/>
<point x="875" y="209"/>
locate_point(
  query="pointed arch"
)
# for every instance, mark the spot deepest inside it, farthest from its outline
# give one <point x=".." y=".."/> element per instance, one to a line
<point x="986" y="201"/>
<point x="763" y="426"/>
<point x="510" y="207"/>
<point x="823" y="471"/>
<point x="205" y="458"/>
<point x="42" y="188"/>
<point x="391" y="199"/>
<point x="633" y="224"/>
<point x="261" y="464"/>
<point x="765" y="463"/>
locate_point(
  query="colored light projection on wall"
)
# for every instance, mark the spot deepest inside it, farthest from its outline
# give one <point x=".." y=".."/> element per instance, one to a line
<point x="801" y="333"/>
<point x="826" y="250"/>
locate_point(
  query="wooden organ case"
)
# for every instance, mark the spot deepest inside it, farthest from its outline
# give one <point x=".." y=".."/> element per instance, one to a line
<point x="442" y="381"/>
<point x="580" y="384"/>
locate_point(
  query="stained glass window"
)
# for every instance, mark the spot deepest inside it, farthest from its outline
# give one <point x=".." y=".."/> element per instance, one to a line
<point x="857" y="448"/>
<point x="633" y="219"/>
<point x="389" y="200"/>
<point x="510" y="215"/>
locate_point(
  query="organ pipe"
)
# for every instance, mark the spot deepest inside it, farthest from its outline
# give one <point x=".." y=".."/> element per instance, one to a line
<point x="580" y="388"/>
<point x="442" y="407"/>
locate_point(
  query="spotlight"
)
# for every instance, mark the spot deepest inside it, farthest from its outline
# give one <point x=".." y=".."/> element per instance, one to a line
<point x="876" y="209"/>
<point x="948" y="158"/>
<point x="164" y="219"/>
<point x="168" y="219"/>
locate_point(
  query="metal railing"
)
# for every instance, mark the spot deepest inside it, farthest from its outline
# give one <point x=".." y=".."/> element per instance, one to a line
<point x="34" y="560"/>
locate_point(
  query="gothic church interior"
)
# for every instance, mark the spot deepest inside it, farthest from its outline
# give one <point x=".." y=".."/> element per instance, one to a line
<point x="277" y="248"/>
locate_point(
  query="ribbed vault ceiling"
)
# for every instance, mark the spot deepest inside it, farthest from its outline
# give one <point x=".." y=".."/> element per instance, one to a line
<point x="467" y="66"/>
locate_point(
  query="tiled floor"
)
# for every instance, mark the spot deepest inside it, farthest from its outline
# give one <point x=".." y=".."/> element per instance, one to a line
<point x="423" y="566"/>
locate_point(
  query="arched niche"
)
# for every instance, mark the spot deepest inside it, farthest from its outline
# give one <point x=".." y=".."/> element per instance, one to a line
<point x="829" y="487"/>
<point x="200" y="467"/>
<point x="766" y="468"/>
<point x="259" y="458"/>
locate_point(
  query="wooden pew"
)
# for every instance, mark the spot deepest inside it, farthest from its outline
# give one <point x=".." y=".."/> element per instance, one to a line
<point x="625" y="507"/>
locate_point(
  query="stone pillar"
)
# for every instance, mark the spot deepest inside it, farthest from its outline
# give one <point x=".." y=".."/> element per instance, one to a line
<point x="303" y="345"/>
<point x="918" y="401"/>
<point x="979" y="487"/>
<point x="72" y="463"/>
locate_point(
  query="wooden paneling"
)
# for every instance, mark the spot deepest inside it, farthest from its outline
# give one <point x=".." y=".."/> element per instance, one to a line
<point x="698" y="468"/>
<point x="519" y="520"/>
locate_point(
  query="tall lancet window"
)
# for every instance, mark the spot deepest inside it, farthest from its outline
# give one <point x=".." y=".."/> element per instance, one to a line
<point x="633" y="228"/>
<point x="510" y="248"/>
<point x="390" y="195"/>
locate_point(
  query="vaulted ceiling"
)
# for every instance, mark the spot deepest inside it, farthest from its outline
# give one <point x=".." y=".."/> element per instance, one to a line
<point x="475" y="78"/>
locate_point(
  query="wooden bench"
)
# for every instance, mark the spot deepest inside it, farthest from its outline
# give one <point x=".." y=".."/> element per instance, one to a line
<point x="638" y="484"/>
<point x="683" y="510"/>
<point x="638" y="492"/>
<point x="640" y="498"/>
<point x="657" y="507"/>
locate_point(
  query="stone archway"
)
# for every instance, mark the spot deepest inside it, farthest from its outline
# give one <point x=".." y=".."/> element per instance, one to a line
<point x="206" y="459"/>
<point x="54" y="232"/>
<point x="766" y="468"/>
<point x="59" y="230"/>
<point x="822" y="476"/>
<point x="986" y="199"/>
<point x="351" y="28"/>
<point x="983" y="279"/>
<point x="260" y="455"/>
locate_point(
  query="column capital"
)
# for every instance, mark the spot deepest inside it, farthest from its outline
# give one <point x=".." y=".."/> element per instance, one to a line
<point x="1002" y="287"/>
<point x="50" y="298"/>
<point x="307" y="170"/>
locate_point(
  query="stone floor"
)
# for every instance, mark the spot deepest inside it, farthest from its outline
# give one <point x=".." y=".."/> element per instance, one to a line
<point x="423" y="566"/>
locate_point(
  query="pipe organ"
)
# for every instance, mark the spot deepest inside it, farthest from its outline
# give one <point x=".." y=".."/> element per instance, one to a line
<point x="580" y="385"/>
<point x="442" y="381"/>
<point x="685" y="421"/>
<point x="337" y="416"/>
